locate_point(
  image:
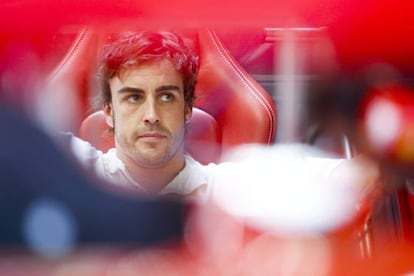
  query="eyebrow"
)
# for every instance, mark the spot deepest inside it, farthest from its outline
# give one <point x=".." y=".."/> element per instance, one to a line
<point x="167" y="87"/>
<point x="128" y="89"/>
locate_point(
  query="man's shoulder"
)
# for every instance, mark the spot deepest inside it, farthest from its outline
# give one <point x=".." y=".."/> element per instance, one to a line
<point x="105" y="165"/>
<point x="89" y="156"/>
<point x="194" y="166"/>
<point x="82" y="150"/>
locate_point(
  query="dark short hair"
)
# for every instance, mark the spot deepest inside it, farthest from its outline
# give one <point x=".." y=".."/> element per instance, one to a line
<point x="134" y="48"/>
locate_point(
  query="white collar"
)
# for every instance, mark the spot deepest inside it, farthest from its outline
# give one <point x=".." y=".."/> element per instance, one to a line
<point x="184" y="183"/>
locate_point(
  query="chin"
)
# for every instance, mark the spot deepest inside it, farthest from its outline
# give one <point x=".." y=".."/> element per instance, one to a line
<point x="153" y="158"/>
<point x="152" y="161"/>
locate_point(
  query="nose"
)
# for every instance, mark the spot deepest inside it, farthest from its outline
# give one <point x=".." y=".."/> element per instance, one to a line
<point x="150" y="113"/>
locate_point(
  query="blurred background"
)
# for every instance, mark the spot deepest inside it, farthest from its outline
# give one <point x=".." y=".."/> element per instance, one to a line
<point x="339" y="73"/>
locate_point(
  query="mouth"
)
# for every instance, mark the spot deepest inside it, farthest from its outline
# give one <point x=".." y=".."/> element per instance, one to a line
<point x="152" y="136"/>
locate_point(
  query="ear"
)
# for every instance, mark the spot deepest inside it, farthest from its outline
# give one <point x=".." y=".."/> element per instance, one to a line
<point x="188" y="111"/>
<point x="109" y="119"/>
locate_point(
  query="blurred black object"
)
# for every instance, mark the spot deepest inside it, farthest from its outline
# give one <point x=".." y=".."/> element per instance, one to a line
<point x="372" y="107"/>
<point x="34" y="170"/>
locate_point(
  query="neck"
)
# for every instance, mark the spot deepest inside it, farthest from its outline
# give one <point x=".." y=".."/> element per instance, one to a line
<point x="154" y="179"/>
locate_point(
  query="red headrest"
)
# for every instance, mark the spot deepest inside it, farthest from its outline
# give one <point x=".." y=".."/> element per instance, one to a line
<point x="202" y="140"/>
<point x="245" y="112"/>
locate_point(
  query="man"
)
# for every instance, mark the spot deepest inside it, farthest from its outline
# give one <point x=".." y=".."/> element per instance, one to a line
<point x="148" y="81"/>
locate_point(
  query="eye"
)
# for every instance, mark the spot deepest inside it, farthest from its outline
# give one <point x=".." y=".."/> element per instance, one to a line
<point x="134" y="98"/>
<point x="167" y="97"/>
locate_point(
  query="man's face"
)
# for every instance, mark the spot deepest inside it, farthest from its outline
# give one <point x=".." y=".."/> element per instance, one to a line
<point x="148" y="113"/>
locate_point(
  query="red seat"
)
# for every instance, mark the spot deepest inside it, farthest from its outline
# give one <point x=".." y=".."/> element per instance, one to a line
<point x="231" y="107"/>
<point x="73" y="75"/>
<point x="244" y="111"/>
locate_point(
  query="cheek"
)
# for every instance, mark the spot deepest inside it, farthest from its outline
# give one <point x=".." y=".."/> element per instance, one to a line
<point x="128" y="124"/>
<point x="177" y="119"/>
<point x="124" y="123"/>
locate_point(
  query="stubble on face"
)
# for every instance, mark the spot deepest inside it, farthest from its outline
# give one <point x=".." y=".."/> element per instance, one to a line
<point x="150" y="152"/>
